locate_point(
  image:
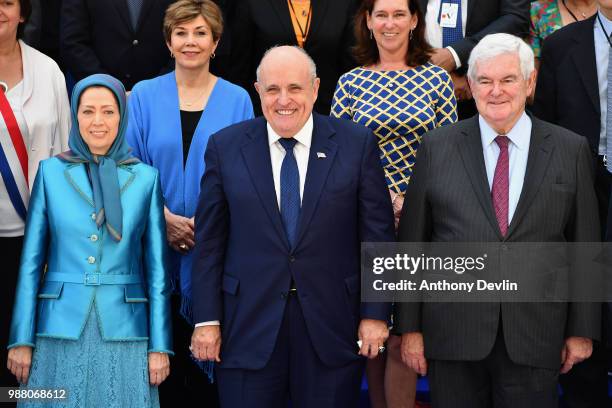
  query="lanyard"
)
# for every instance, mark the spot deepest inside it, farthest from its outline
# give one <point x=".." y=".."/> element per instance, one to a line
<point x="604" y="30"/>
<point x="304" y="31"/>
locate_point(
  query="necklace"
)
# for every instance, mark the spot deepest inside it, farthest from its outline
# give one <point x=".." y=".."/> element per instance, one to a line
<point x="582" y="13"/>
<point x="4" y="86"/>
<point x="188" y="104"/>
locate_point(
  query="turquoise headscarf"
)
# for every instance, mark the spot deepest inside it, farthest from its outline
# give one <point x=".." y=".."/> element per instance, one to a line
<point x="102" y="169"/>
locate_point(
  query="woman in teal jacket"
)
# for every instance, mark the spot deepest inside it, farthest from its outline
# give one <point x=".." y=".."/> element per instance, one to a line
<point x="92" y="299"/>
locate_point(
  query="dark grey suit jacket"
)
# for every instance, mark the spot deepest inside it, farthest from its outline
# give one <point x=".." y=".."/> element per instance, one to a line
<point x="449" y="200"/>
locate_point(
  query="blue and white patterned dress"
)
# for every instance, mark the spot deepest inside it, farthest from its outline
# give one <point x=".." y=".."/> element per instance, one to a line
<point x="399" y="106"/>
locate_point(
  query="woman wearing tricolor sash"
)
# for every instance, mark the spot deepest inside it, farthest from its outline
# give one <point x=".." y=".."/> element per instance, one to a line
<point x="34" y="125"/>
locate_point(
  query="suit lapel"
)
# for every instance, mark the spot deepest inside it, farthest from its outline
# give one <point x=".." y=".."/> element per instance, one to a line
<point x="319" y="10"/>
<point x="540" y="150"/>
<point x="122" y="9"/>
<point x="144" y="12"/>
<point x="256" y="154"/>
<point x="282" y="12"/>
<point x="470" y="12"/>
<point x="126" y="177"/>
<point x="584" y="59"/>
<point x="470" y="149"/>
<point x="76" y="174"/>
<point x="318" y="169"/>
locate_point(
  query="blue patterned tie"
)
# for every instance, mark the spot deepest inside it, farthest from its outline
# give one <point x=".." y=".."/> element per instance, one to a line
<point x="290" y="190"/>
<point x="609" y="116"/>
<point x="134" y="6"/>
<point x="452" y="35"/>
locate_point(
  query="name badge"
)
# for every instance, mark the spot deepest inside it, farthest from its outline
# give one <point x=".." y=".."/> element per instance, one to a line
<point x="448" y="15"/>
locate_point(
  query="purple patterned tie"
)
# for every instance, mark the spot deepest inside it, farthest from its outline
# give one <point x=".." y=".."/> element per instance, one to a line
<point x="501" y="185"/>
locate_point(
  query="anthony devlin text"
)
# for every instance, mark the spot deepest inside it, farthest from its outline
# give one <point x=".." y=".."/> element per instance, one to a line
<point x="445" y="286"/>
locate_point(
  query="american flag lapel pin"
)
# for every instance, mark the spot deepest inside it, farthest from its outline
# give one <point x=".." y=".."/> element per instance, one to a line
<point x="321" y="155"/>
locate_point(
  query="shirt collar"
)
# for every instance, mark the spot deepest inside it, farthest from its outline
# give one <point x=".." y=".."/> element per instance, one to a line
<point x="519" y="135"/>
<point x="607" y="24"/>
<point x="303" y="136"/>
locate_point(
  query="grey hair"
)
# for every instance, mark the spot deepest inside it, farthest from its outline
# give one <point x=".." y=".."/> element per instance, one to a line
<point x="494" y="45"/>
<point x="312" y="67"/>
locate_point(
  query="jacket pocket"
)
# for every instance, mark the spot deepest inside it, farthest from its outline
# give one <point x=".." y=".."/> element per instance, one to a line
<point x="230" y="284"/>
<point x="135" y="294"/>
<point x="51" y="290"/>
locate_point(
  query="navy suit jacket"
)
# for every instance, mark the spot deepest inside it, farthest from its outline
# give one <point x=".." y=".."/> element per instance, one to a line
<point x="98" y="37"/>
<point x="243" y="264"/>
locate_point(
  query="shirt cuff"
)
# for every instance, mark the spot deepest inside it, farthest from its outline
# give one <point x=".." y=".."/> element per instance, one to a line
<point x="455" y="57"/>
<point x="209" y="323"/>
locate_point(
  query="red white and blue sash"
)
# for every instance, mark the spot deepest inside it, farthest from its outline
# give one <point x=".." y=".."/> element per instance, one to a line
<point x="13" y="151"/>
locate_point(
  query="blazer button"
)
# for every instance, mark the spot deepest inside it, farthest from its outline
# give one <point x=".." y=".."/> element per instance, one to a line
<point x="93" y="216"/>
<point x="91" y="260"/>
<point x="93" y="238"/>
<point x="135" y="42"/>
<point x="292" y="259"/>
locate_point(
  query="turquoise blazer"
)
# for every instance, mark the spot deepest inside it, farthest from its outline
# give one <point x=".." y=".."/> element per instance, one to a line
<point x="68" y="265"/>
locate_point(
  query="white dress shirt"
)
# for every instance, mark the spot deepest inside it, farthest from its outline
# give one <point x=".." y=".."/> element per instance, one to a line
<point x="433" y="31"/>
<point x="301" y="151"/>
<point x="602" y="52"/>
<point x="518" y="152"/>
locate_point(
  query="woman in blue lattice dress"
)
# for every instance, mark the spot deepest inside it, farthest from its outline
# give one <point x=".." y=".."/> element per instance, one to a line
<point x="400" y="95"/>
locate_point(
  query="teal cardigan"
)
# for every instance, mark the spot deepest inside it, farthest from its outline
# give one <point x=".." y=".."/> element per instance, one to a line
<point x="68" y="265"/>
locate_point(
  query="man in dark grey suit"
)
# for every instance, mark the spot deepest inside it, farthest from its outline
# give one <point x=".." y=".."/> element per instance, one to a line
<point x="501" y="176"/>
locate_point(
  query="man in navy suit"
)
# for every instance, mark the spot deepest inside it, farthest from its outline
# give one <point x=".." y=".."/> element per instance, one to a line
<point x="285" y="202"/>
<point x="123" y="38"/>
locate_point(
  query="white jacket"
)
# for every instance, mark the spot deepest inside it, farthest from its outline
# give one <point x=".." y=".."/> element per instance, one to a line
<point x="45" y="107"/>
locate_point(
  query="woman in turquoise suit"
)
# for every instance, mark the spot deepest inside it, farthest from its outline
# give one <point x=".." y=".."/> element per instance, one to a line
<point x="92" y="312"/>
<point x="171" y="118"/>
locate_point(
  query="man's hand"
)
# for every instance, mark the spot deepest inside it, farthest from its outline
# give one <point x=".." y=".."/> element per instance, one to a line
<point x="372" y="334"/>
<point x="179" y="231"/>
<point x="462" y="87"/>
<point x="413" y="352"/>
<point x="19" y="362"/>
<point x="575" y="350"/>
<point x="206" y="343"/>
<point x="159" y="368"/>
<point x="442" y="57"/>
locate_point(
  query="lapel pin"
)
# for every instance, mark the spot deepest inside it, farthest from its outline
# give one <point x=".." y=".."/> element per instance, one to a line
<point x="321" y="155"/>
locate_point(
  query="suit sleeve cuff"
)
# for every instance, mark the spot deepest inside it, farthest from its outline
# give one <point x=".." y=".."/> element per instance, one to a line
<point x="455" y="57"/>
<point x="209" y="323"/>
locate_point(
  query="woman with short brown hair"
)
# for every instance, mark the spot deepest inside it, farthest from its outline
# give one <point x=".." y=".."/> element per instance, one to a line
<point x="171" y="118"/>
